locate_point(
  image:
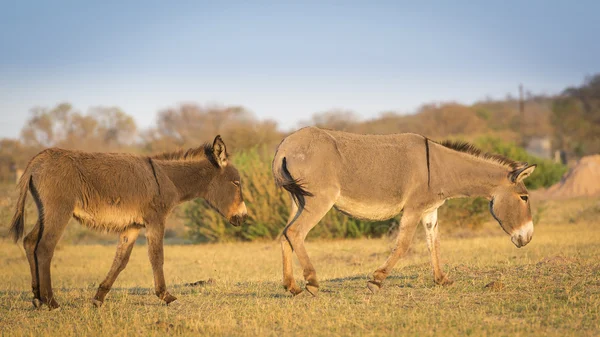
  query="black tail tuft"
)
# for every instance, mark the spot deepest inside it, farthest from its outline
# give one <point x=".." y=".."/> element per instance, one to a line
<point x="294" y="186"/>
<point x="17" y="227"/>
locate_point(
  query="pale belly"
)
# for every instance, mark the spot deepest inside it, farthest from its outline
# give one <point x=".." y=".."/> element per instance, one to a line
<point x="368" y="210"/>
<point x="108" y="218"/>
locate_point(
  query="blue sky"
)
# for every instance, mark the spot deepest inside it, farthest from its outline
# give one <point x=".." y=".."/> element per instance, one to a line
<point x="287" y="61"/>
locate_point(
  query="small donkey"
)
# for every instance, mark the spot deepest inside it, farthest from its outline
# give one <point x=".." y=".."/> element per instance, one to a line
<point x="374" y="177"/>
<point x="121" y="193"/>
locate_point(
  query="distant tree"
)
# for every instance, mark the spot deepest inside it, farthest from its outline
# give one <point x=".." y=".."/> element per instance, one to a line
<point x="436" y="120"/>
<point x="442" y="120"/>
<point x="191" y="125"/>
<point x="13" y="155"/>
<point x="344" y="120"/>
<point x="113" y="126"/>
<point x="576" y="118"/>
<point x="47" y="127"/>
<point x="101" y="129"/>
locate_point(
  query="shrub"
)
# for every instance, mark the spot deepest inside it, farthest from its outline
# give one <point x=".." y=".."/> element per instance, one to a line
<point x="464" y="213"/>
<point x="267" y="205"/>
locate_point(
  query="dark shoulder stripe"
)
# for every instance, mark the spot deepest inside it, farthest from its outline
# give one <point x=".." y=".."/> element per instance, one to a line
<point x="154" y="173"/>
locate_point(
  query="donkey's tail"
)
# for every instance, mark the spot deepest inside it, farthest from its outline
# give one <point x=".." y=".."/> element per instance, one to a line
<point x="18" y="220"/>
<point x="283" y="178"/>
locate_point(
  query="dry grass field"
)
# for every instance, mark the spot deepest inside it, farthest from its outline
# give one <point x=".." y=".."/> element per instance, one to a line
<point x="549" y="288"/>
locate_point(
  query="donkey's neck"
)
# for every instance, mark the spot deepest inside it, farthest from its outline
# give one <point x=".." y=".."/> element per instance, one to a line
<point x="191" y="178"/>
<point x="457" y="174"/>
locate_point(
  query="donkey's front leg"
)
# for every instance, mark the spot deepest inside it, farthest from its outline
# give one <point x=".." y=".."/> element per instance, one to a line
<point x="408" y="224"/>
<point x="155" y="234"/>
<point x="430" y="223"/>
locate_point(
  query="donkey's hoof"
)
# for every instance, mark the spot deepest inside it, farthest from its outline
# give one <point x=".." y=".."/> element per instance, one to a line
<point x="374" y="286"/>
<point x="312" y="289"/>
<point x="168" y="298"/>
<point x="53" y="305"/>
<point x="97" y="303"/>
<point x="36" y="303"/>
<point x="444" y="281"/>
<point x="295" y="290"/>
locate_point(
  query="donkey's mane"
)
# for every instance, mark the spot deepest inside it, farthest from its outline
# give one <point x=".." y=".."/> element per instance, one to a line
<point x="200" y="152"/>
<point x="472" y="150"/>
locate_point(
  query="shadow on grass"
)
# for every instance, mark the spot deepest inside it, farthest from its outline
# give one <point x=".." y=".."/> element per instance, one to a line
<point x="366" y="278"/>
<point x="273" y="290"/>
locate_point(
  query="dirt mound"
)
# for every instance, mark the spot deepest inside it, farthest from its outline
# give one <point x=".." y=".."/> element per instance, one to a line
<point x="582" y="180"/>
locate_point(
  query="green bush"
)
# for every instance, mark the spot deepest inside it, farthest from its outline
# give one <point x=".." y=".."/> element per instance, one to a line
<point x="464" y="213"/>
<point x="267" y="205"/>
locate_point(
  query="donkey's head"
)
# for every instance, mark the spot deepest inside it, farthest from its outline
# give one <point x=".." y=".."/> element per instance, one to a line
<point x="510" y="206"/>
<point x="224" y="191"/>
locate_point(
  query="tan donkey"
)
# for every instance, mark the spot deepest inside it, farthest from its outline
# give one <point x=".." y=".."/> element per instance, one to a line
<point x="374" y="177"/>
<point x="119" y="193"/>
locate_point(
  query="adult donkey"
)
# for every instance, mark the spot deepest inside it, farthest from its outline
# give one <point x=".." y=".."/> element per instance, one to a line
<point x="120" y="193"/>
<point x="374" y="177"/>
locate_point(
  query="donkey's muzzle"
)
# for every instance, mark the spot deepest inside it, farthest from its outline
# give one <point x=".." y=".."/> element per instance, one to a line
<point x="238" y="220"/>
<point x="522" y="236"/>
<point x="519" y="241"/>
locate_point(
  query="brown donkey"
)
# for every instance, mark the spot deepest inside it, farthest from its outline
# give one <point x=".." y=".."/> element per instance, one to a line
<point x="120" y="193"/>
<point x="374" y="177"/>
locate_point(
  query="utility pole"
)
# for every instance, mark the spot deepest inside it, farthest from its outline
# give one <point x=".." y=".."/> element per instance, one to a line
<point x="522" y="114"/>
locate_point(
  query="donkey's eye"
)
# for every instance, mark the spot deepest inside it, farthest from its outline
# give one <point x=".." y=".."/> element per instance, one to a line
<point x="525" y="198"/>
<point x="236" y="183"/>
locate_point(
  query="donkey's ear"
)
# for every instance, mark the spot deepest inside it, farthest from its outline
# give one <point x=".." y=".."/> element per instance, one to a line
<point x="521" y="173"/>
<point x="219" y="151"/>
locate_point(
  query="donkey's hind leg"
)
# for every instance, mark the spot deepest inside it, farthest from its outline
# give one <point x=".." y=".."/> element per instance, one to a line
<point x="52" y="226"/>
<point x="286" y="249"/>
<point x="29" y="243"/>
<point x="408" y="224"/>
<point x="126" y="242"/>
<point x="316" y="208"/>
<point x="430" y="222"/>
